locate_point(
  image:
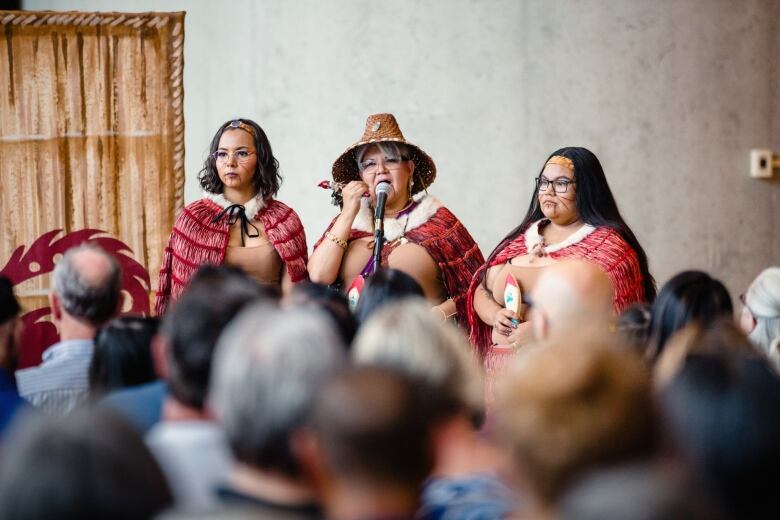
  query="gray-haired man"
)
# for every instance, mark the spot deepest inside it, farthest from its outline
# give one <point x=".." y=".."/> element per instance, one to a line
<point x="267" y="369"/>
<point x="85" y="294"/>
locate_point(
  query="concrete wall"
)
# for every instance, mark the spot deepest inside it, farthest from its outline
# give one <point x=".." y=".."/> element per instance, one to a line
<point x="671" y="95"/>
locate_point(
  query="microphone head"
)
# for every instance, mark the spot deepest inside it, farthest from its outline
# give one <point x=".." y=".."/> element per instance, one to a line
<point x="383" y="187"/>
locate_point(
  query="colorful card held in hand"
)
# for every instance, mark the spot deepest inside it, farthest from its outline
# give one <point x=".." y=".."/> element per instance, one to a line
<point x="512" y="296"/>
<point x="353" y="294"/>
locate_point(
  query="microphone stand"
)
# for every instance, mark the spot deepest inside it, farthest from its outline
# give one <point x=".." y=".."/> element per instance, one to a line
<point x="379" y="236"/>
<point x="379" y="225"/>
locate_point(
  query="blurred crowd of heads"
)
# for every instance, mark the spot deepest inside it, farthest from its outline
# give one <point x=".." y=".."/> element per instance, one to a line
<point x="665" y="411"/>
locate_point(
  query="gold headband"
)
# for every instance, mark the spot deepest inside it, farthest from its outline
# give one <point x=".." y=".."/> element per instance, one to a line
<point x="243" y="126"/>
<point x="560" y="160"/>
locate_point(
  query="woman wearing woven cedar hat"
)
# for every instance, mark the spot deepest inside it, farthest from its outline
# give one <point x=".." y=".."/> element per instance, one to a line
<point x="423" y="238"/>
<point x="237" y="221"/>
<point x="572" y="215"/>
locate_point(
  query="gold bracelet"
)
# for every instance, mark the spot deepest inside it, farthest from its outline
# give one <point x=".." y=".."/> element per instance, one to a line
<point x="341" y="243"/>
<point x="444" y="314"/>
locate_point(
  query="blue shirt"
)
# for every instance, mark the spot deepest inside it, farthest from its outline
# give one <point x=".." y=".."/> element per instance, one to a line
<point x="479" y="496"/>
<point x="9" y="400"/>
<point x="61" y="382"/>
<point x="140" y="405"/>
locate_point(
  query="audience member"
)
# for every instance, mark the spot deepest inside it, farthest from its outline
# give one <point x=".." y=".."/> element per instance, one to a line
<point x="571" y="408"/>
<point x="722" y="411"/>
<point x="761" y="314"/>
<point x="123" y="354"/>
<point x="687" y="297"/>
<point x="140" y="405"/>
<point x="568" y="296"/>
<point x="86" y="465"/>
<point x="10" y="330"/>
<point x="721" y="338"/>
<point x="370" y="449"/>
<point x="635" y="492"/>
<point x="406" y="337"/>
<point x="268" y="367"/>
<point x="190" y="447"/>
<point x="85" y="295"/>
<point x="383" y="287"/>
<point x="328" y="299"/>
<point x="632" y="325"/>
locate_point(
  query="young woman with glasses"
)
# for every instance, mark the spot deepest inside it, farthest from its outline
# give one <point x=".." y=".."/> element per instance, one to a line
<point x="238" y="221"/>
<point x="572" y="215"/>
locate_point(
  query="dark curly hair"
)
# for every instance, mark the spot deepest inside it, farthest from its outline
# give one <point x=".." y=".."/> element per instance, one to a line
<point x="266" y="180"/>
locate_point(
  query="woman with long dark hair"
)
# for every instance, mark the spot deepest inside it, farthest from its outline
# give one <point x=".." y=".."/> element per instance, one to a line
<point x="688" y="297"/>
<point x="123" y="355"/>
<point x="238" y="221"/>
<point x="572" y="215"/>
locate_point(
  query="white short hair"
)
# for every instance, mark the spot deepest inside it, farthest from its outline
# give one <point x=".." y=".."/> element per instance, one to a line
<point x="406" y="336"/>
<point x="388" y="148"/>
<point x="763" y="301"/>
<point x="268" y="365"/>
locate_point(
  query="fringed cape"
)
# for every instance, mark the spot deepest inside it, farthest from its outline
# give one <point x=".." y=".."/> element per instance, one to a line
<point x="435" y="228"/>
<point x="603" y="246"/>
<point x="196" y="240"/>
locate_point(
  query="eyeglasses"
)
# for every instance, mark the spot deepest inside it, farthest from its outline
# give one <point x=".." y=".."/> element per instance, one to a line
<point x="743" y="299"/>
<point x="560" y="185"/>
<point x="392" y="163"/>
<point x="241" y="156"/>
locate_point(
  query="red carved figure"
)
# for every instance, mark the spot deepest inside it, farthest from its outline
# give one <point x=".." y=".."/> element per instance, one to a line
<point x="39" y="258"/>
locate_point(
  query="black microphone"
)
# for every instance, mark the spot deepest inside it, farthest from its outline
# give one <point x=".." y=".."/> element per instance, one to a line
<point x="382" y="189"/>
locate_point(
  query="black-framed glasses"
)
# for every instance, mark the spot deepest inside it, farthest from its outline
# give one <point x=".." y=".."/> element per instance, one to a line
<point x="560" y="185"/>
<point x="743" y="300"/>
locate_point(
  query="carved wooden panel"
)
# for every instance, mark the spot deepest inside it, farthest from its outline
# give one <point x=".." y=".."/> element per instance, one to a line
<point x="91" y="137"/>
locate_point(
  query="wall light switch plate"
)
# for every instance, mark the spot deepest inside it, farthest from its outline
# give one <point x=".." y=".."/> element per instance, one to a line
<point x="761" y="163"/>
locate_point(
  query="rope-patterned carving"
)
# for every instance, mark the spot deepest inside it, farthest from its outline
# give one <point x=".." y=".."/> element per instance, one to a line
<point x="134" y="20"/>
<point x="176" y="57"/>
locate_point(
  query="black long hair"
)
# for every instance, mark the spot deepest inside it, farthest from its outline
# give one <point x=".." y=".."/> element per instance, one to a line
<point x="595" y="206"/>
<point x="383" y="287"/>
<point x="687" y="297"/>
<point x="122" y="355"/>
<point x="266" y="179"/>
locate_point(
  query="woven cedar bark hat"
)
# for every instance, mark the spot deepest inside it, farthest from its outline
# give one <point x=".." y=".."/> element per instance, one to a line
<point x="384" y="128"/>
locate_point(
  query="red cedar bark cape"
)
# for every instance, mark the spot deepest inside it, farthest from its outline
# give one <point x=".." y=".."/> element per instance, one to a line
<point x="603" y="246"/>
<point x="196" y="240"/>
<point x="443" y="236"/>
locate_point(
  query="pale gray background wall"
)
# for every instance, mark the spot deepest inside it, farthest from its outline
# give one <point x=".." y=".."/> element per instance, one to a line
<point x="670" y="95"/>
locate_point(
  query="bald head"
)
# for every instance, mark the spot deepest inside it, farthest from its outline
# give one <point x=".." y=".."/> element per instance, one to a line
<point x="87" y="281"/>
<point x="570" y="294"/>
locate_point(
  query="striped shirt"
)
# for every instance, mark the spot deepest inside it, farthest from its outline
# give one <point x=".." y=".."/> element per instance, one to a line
<point x="61" y="381"/>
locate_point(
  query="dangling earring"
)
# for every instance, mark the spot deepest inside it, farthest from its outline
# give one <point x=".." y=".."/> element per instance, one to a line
<point x="425" y="188"/>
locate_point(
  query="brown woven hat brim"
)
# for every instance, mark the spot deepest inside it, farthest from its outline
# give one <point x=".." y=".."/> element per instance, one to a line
<point x="345" y="168"/>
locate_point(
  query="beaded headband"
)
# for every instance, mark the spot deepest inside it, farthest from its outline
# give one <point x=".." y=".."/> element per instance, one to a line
<point x="560" y="160"/>
<point x="241" y="125"/>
